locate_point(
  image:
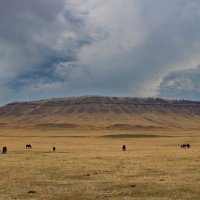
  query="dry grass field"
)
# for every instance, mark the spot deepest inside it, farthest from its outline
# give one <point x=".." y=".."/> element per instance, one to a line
<point x="91" y="165"/>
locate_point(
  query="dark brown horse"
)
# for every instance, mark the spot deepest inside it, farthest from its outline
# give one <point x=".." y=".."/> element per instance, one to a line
<point x="28" y="146"/>
<point x="54" y="148"/>
<point x="4" y="150"/>
<point x="124" y="148"/>
<point x="185" y="146"/>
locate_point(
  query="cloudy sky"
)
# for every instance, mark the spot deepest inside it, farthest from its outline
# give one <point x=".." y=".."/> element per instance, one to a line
<point x="61" y="48"/>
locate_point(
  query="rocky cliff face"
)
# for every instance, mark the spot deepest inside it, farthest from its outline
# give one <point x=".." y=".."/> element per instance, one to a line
<point x="103" y="112"/>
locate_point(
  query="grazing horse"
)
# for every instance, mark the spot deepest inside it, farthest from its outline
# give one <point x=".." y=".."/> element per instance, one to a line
<point x="28" y="146"/>
<point x="54" y="148"/>
<point x="185" y="146"/>
<point x="124" y="148"/>
<point x="188" y="146"/>
<point x="4" y="150"/>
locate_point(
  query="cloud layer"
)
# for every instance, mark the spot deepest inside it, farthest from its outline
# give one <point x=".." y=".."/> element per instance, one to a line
<point x="183" y="84"/>
<point x="106" y="47"/>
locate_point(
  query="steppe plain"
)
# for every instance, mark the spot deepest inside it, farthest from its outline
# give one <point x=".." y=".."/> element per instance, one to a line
<point x="89" y="163"/>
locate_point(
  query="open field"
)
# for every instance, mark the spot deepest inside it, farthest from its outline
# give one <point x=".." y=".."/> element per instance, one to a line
<point x="91" y="165"/>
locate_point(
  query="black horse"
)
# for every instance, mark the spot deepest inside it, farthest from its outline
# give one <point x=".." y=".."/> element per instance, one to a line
<point x="4" y="150"/>
<point x="54" y="148"/>
<point x="28" y="146"/>
<point x="185" y="146"/>
<point x="124" y="148"/>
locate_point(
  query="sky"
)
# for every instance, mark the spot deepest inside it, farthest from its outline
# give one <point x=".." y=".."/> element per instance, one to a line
<point x="62" y="48"/>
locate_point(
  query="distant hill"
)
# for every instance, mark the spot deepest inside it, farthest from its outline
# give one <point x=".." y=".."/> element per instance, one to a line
<point x="116" y="113"/>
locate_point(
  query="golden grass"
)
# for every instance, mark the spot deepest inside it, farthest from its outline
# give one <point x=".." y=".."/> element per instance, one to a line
<point x="88" y="166"/>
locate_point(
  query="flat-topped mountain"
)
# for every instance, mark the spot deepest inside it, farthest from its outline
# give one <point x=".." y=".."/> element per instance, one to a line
<point x="103" y="112"/>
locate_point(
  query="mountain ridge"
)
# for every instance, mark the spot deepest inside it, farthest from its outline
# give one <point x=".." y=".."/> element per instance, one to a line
<point x="110" y="99"/>
<point x="124" y="113"/>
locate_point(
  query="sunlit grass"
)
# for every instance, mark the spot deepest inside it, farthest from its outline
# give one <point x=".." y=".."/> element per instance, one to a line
<point x="93" y="167"/>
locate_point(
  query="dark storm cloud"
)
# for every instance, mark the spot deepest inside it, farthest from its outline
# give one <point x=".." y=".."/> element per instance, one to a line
<point x="58" y="48"/>
<point x="181" y="84"/>
<point x="34" y="35"/>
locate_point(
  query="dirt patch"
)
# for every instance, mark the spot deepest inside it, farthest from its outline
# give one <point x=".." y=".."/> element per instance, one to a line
<point x="132" y="127"/>
<point x="134" y="136"/>
<point x="59" y="125"/>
